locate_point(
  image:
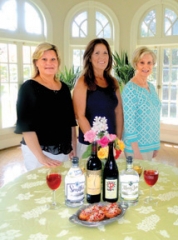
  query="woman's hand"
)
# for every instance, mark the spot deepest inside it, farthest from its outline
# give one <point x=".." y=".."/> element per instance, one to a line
<point x="48" y="162"/>
<point x="155" y="153"/>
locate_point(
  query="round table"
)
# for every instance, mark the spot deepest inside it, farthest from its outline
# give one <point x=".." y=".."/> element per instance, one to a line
<point x="24" y="215"/>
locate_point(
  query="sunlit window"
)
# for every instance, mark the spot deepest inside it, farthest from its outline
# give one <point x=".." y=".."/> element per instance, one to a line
<point x="148" y="26"/>
<point x="9" y="83"/>
<point x="78" y="58"/>
<point x="16" y="54"/>
<point x="170" y="83"/>
<point x="103" y="28"/>
<point x="8" y="15"/>
<point x="32" y="20"/>
<point x="27" y="61"/>
<point x="170" y="23"/>
<point x="79" y="25"/>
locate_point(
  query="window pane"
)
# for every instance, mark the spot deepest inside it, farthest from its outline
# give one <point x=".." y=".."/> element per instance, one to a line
<point x="79" y="25"/>
<point x="4" y="72"/>
<point x="32" y="20"/>
<point x="175" y="28"/>
<point x="166" y="56"/>
<point x="103" y="28"/>
<point x="78" y="58"/>
<point x="164" y="110"/>
<point x="8" y="15"/>
<point x="13" y="72"/>
<point x="173" y="93"/>
<point x="165" y="74"/>
<point x="148" y="26"/>
<point x="8" y="106"/>
<point x="26" y="72"/>
<point x="12" y="53"/>
<point x="165" y="92"/>
<point x="83" y="30"/>
<point x="173" y="110"/>
<point x="170" y="23"/>
<point x="174" y="77"/>
<point x="175" y="57"/>
<point x="3" y="52"/>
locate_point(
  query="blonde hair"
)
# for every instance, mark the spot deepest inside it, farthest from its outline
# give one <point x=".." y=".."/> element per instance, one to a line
<point x="39" y="51"/>
<point x="139" y="53"/>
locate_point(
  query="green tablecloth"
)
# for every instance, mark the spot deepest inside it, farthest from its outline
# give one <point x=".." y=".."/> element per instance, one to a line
<point x="23" y="212"/>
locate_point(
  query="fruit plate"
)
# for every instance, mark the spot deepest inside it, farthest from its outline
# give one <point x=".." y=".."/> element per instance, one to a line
<point x="75" y="219"/>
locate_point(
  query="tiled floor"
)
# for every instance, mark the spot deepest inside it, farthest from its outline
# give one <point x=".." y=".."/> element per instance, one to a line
<point x="11" y="161"/>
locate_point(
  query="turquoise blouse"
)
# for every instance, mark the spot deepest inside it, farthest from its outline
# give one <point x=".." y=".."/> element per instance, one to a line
<point x="141" y="117"/>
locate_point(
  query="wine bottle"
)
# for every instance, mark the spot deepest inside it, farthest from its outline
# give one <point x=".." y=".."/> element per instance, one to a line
<point x="74" y="185"/>
<point x="93" y="176"/>
<point x="129" y="184"/>
<point x="110" y="178"/>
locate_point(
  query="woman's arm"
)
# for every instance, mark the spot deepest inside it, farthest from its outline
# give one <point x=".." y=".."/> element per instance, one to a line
<point x="79" y="102"/>
<point x="119" y="115"/>
<point x="74" y="143"/>
<point x="32" y="142"/>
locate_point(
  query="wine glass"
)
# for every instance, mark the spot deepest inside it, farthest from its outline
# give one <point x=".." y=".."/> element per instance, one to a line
<point x="150" y="176"/>
<point x="138" y="168"/>
<point x="53" y="179"/>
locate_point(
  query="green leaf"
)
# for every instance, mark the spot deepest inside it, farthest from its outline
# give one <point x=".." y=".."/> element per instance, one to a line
<point x="87" y="153"/>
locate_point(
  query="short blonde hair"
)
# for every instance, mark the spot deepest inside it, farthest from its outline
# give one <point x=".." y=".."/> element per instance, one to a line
<point x="39" y="51"/>
<point x="139" y="53"/>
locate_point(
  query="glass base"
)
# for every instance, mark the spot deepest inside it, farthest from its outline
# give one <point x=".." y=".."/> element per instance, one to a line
<point x="151" y="200"/>
<point x="53" y="206"/>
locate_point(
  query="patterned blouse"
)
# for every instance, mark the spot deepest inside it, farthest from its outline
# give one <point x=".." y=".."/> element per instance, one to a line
<point x="141" y="117"/>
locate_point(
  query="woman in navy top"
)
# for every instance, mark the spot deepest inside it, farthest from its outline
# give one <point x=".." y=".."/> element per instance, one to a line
<point x="45" y="115"/>
<point x="96" y="92"/>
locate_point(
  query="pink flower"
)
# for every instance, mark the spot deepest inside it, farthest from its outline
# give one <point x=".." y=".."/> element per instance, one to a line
<point x="103" y="141"/>
<point x="112" y="137"/>
<point x="90" y="136"/>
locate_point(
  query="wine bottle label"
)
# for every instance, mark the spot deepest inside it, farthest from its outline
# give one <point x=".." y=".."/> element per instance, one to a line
<point x="110" y="188"/>
<point x="129" y="190"/>
<point x="75" y="191"/>
<point x="93" y="182"/>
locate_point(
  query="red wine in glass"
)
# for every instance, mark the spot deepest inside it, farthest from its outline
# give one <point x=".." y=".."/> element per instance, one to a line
<point x="150" y="177"/>
<point x="53" y="179"/>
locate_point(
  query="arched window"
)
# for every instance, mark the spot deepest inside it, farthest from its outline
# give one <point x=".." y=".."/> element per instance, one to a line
<point x="22" y="27"/>
<point x="88" y="21"/>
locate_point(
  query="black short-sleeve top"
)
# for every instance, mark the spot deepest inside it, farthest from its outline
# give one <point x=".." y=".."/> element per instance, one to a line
<point x="47" y="112"/>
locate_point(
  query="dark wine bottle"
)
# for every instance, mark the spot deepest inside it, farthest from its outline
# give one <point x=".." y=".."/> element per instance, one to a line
<point x="110" y="178"/>
<point x="93" y="179"/>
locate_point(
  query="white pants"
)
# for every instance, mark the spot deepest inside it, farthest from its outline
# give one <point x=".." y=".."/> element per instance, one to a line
<point x="31" y="162"/>
<point x="146" y="155"/>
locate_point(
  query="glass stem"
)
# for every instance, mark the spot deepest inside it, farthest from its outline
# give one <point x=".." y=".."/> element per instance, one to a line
<point x="150" y="193"/>
<point x="54" y="199"/>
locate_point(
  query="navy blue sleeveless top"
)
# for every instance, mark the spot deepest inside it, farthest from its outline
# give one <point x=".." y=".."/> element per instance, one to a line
<point x="101" y="103"/>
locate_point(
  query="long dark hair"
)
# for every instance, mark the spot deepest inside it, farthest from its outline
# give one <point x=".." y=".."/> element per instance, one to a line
<point x="88" y="72"/>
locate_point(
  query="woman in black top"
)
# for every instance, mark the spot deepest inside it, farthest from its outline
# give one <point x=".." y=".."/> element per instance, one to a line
<point x="45" y="115"/>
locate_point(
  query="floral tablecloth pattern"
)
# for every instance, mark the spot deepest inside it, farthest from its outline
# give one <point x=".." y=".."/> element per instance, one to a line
<point x="24" y="214"/>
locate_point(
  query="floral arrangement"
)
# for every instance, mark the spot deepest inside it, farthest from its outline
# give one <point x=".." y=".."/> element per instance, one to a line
<point x="100" y="134"/>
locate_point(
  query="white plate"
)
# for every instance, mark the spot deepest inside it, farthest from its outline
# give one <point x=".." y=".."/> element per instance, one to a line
<point x="75" y="219"/>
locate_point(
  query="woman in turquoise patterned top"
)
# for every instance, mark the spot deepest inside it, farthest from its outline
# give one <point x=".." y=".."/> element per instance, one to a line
<point x="141" y="107"/>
